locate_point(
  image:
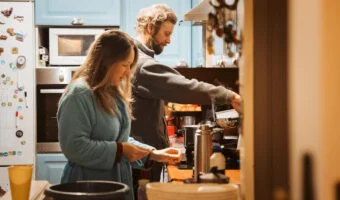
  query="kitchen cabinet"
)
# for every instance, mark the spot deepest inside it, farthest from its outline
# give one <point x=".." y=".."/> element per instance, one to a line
<point x="92" y="13"/>
<point x="227" y="77"/>
<point x="180" y="47"/>
<point x="50" y="167"/>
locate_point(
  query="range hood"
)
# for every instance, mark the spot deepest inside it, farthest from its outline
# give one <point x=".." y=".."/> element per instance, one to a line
<point x="199" y="12"/>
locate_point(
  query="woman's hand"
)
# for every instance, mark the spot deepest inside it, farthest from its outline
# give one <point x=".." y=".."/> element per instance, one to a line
<point x="134" y="152"/>
<point x="168" y="155"/>
<point x="236" y="101"/>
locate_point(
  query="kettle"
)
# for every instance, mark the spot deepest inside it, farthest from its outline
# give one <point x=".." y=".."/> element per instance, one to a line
<point x="202" y="150"/>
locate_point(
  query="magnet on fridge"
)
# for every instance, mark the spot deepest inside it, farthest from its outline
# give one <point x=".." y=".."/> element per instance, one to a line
<point x="9" y="104"/>
<point x="19" y="133"/>
<point x="1" y="50"/>
<point x="15" y="96"/>
<point x="21" y="117"/>
<point x="12" y="83"/>
<point x="16" y="91"/>
<point x="19" y="107"/>
<point x="9" y="153"/>
<point x="19" y="18"/>
<point x="23" y="142"/>
<point x="19" y="153"/>
<point x="7" y="12"/>
<point x="14" y="153"/>
<point x="11" y="65"/>
<point x="20" y="100"/>
<point x="20" y="88"/>
<point x="21" y="60"/>
<point x="2" y="22"/>
<point x="3" y="62"/>
<point x="10" y="31"/>
<point x="20" y="36"/>
<point x="3" y="75"/>
<point x="3" y="104"/>
<point x="3" y="37"/>
<point x="15" y="50"/>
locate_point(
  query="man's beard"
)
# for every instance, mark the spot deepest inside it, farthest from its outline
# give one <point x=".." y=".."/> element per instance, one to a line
<point x="156" y="47"/>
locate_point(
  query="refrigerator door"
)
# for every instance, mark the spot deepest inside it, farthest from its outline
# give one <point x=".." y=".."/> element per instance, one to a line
<point x="17" y="138"/>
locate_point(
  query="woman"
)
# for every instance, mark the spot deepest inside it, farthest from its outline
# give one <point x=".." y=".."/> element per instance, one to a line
<point x="94" y="116"/>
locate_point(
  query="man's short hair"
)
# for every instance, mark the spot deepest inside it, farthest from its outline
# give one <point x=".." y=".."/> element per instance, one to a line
<point x="154" y="15"/>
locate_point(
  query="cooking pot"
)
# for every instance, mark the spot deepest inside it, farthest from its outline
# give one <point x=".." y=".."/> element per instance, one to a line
<point x="92" y="190"/>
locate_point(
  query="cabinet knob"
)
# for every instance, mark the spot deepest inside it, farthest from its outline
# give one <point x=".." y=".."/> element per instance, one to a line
<point x="77" y="21"/>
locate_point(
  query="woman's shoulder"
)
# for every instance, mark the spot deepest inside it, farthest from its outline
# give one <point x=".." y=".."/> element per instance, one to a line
<point x="78" y="87"/>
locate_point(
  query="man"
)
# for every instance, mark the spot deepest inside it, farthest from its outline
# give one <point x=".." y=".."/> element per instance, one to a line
<point x="155" y="83"/>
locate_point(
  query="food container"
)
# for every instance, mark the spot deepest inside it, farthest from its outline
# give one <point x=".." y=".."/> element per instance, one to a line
<point x="92" y="190"/>
<point x="229" y="120"/>
<point x="202" y="191"/>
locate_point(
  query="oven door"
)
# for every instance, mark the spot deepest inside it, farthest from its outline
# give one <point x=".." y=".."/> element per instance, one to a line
<point x="47" y="128"/>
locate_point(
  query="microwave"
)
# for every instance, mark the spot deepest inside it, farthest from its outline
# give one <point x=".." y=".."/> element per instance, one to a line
<point x="69" y="46"/>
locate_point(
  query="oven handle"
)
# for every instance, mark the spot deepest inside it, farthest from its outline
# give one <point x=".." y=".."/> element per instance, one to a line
<point x="52" y="91"/>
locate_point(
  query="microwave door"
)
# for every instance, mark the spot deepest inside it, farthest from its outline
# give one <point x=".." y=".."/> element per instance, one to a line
<point x="69" y="46"/>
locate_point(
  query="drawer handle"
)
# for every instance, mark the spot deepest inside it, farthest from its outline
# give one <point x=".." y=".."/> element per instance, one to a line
<point x="77" y="21"/>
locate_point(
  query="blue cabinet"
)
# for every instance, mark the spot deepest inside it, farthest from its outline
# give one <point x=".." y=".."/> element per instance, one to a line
<point x="197" y="42"/>
<point x="180" y="46"/>
<point x="92" y="13"/>
<point x="50" y="167"/>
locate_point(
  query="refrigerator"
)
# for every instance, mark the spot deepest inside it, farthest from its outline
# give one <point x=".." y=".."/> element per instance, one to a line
<point x="17" y="81"/>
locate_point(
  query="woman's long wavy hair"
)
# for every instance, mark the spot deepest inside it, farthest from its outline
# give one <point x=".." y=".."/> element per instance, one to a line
<point x="109" y="48"/>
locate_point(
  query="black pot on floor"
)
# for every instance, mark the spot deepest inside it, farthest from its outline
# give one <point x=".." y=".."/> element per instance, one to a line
<point x="92" y="190"/>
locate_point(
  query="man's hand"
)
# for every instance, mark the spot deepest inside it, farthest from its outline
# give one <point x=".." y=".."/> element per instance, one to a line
<point x="236" y="101"/>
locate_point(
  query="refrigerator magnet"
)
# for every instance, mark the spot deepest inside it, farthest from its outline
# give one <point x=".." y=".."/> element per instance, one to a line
<point x="21" y="60"/>
<point x="15" y="50"/>
<point x="7" y="12"/>
<point x="10" y="31"/>
<point x="19" y="36"/>
<point x="19" y="18"/>
<point x="1" y="50"/>
<point x="3" y="37"/>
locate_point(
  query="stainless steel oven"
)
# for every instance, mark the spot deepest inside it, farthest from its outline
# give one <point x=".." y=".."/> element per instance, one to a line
<point x="51" y="82"/>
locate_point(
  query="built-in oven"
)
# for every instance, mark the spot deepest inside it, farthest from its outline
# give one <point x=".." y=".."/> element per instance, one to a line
<point x="51" y="82"/>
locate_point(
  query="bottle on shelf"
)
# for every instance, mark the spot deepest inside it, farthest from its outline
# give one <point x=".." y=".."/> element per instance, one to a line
<point x="217" y="159"/>
<point x="142" y="189"/>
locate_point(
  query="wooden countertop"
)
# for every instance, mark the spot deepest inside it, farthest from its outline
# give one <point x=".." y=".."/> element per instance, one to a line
<point x="37" y="191"/>
<point x="181" y="174"/>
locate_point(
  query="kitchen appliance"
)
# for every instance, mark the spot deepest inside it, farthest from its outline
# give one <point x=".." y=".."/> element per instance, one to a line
<point x="202" y="150"/>
<point x="69" y="46"/>
<point x="17" y="134"/>
<point x="51" y="82"/>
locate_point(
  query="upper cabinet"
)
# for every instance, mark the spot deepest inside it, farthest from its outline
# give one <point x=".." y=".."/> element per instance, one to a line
<point x="77" y="12"/>
<point x="180" y="46"/>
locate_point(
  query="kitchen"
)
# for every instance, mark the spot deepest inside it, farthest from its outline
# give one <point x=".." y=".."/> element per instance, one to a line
<point x="257" y="153"/>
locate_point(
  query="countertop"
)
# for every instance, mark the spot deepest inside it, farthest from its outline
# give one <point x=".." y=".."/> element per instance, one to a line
<point x="37" y="191"/>
<point x="180" y="174"/>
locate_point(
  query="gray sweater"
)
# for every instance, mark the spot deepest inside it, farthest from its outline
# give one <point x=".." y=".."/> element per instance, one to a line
<point x="154" y="84"/>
